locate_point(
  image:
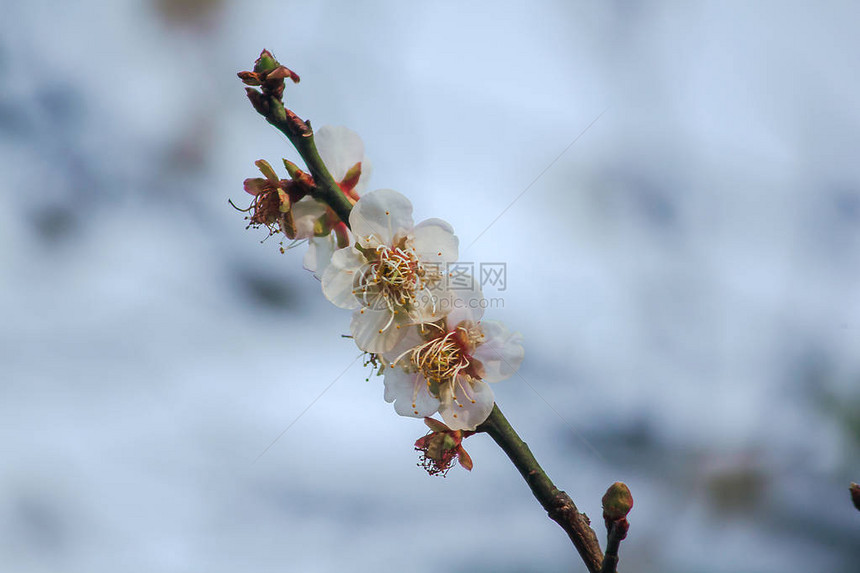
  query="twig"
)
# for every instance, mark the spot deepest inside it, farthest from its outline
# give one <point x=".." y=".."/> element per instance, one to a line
<point x="301" y="136"/>
<point x="616" y="533"/>
<point x="269" y="76"/>
<point x="557" y="504"/>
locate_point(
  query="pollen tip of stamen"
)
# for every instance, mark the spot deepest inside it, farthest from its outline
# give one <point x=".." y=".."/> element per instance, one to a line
<point x="473" y="402"/>
<point x="361" y="311"/>
<point x="415" y="412"/>
<point x="380" y="331"/>
<point x="439" y="253"/>
<point x="392" y="365"/>
<point x="455" y="415"/>
<point x="388" y="212"/>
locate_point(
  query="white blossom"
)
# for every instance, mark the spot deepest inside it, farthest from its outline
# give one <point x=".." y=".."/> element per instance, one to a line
<point x="445" y="366"/>
<point x="393" y="275"/>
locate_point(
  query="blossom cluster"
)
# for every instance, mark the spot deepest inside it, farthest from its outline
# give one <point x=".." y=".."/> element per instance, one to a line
<point x="436" y="352"/>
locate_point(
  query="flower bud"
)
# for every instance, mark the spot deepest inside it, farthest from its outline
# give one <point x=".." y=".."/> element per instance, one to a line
<point x="617" y="502"/>
<point x="265" y="63"/>
<point x="293" y="169"/>
<point x="855" y="495"/>
<point x="268" y="74"/>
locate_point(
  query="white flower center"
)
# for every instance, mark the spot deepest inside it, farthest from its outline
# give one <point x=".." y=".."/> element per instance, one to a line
<point x="440" y="360"/>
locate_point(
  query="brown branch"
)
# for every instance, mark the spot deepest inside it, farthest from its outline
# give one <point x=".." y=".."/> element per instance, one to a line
<point x="616" y="532"/>
<point x="557" y="504"/>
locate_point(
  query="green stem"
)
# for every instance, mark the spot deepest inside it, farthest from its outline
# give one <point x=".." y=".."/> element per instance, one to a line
<point x="327" y="189"/>
<point x="301" y="136"/>
<point x="557" y="504"/>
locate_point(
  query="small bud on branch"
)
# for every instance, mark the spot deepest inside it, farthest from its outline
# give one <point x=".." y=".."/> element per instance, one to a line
<point x="855" y="495"/>
<point x="617" y="503"/>
<point x="269" y="75"/>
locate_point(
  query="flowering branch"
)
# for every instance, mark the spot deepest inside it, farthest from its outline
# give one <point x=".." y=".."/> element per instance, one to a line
<point x="269" y="102"/>
<point x="557" y="503"/>
<point x="434" y="359"/>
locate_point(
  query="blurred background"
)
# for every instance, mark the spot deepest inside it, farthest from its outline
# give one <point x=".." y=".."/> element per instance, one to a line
<point x="685" y="275"/>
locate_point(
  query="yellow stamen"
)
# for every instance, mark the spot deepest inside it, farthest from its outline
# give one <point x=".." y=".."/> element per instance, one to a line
<point x="394" y="280"/>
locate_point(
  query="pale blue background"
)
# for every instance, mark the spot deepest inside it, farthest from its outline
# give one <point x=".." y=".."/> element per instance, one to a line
<point x="686" y="278"/>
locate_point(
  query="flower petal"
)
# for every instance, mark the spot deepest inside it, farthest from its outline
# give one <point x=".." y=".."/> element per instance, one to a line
<point x="463" y="303"/>
<point x="267" y="170"/>
<point x="318" y="257"/>
<point x="409" y="393"/>
<point x="431" y="304"/>
<point x="337" y="279"/>
<point x="435" y="425"/>
<point x="374" y="331"/>
<point x="465" y="459"/>
<point x="411" y="339"/>
<point x="306" y="212"/>
<point x="340" y="148"/>
<point x="435" y="242"/>
<point x="381" y="216"/>
<point x="469" y="406"/>
<point x="502" y="351"/>
<point x="366" y="170"/>
<point x="255" y="186"/>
